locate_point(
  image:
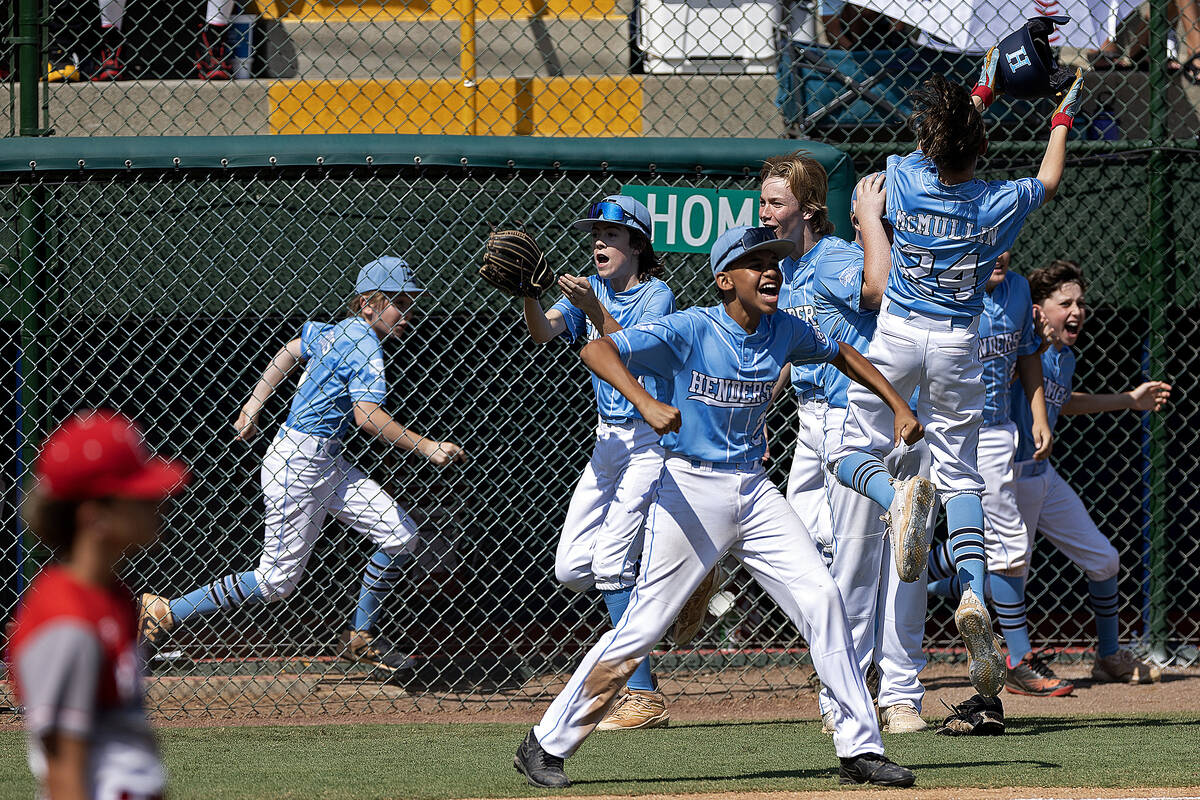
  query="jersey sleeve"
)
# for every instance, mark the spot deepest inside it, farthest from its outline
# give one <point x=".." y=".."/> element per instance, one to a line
<point x="892" y="184"/>
<point x="1031" y="193"/>
<point x="660" y="304"/>
<point x="575" y="319"/>
<point x="809" y="345"/>
<point x="839" y="280"/>
<point x="308" y="336"/>
<point x="58" y="670"/>
<point x="657" y="348"/>
<point x="364" y="362"/>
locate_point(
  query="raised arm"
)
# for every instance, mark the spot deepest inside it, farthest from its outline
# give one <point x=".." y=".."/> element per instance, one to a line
<point x="1149" y="396"/>
<point x="579" y="292"/>
<point x="869" y="208"/>
<point x="543" y="326"/>
<point x="286" y="360"/>
<point x="1055" y="159"/>
<point x="856" y="367"/>
<point x="602" y="358"/>
<point x="377" y="422"/>
<point x="1029" y="369"/>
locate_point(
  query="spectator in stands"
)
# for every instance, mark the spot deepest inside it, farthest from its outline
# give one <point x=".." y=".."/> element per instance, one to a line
<point x="1184" y="17"/>
<point x="852" y="27"/>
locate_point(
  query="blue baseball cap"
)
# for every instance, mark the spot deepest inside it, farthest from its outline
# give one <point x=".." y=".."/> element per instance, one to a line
<point x="386" y="274"/>
<point x="619" y="209"/>
<point x="741" y="240"/>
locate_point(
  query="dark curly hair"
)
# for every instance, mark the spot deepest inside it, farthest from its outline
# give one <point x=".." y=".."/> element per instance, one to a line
<point x="1044" y="281"/>
<point x="649" y="265"/>
<point x="949" y="128"/>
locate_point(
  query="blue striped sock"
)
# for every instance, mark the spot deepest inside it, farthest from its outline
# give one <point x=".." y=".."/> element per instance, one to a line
<point x="964" y="518"/>
<point x="945" y="587"/>
<point x="1104" y="599"/>
<point x="866" y="474"/>
<point x="1008" y="596"/>
<point x="617" y="600"/>
<point x="380" y="577"/>
<point x="941" y="562"/>
<point x="223" y="593"/>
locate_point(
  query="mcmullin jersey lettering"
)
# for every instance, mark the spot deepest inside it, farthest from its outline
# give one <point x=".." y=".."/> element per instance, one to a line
<point x="1005" y="332"/>
<point x="345" y="366"/>
<point x="796" y="298"/>
<point x="947" y="238"/>
<point x="720" y="377"/>
<point x="837" y="297"/>
<point x="1058" y="376"/>
<point x="648" y="300"/>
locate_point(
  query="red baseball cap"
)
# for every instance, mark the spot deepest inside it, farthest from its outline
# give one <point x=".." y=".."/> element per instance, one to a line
<point x="101" y="453"/>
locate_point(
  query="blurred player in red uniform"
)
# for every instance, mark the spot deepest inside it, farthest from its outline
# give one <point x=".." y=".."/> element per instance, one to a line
<point x="73" y="653"/>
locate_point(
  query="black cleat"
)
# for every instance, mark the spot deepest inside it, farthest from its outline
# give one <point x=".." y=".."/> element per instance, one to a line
<point x="381" y="654"/>
<point x="875" y="769"/>
<point x="539" y="767"/>
<point x="976" y="716"/>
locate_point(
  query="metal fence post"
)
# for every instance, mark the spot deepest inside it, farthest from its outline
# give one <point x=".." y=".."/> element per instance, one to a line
<point x="27" y="46"/>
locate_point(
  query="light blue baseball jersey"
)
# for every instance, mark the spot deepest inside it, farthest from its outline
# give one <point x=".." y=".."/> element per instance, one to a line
<point x="345" y="365"/>
<point x="1005" y="332"/>
<point x="646" y="301"/>
<point x="837" y="297"/>
<point x="947" y="238"/>
<point x="1058" y="376"/>
<point x="796" y="298"/>
<point x="720" y="377"/>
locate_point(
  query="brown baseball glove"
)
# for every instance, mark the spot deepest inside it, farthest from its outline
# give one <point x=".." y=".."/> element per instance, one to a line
<point x="514" y="264"/>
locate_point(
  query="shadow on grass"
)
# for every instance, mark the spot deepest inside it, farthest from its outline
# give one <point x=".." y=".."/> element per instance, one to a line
<point x="1032" y="726"/>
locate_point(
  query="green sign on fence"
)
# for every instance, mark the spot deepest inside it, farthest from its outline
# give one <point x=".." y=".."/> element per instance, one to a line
<point x="690" y="220"/>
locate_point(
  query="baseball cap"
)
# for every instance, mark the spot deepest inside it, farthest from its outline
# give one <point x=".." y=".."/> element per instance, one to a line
<point x="100" y="453"/>
<point x="620" y="209"/>
<point x="386" y="274"/>
<point x="740" y="240"/>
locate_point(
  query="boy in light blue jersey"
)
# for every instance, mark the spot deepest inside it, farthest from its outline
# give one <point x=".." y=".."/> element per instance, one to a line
<point x="1044" y="500"/>
<point x="721" y="364"/>
<point x="601" y="540"/>
<point x="305" y="478"/>
<point x="949" y="227"/>
<point x="886" y="614"/>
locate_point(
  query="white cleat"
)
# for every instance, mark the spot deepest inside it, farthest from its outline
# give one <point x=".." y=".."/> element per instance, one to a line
<point x="985" y="661"/>
<point x="908" y="520"/>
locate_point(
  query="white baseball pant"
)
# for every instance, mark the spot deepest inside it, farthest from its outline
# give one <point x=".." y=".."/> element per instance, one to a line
<point x="216" y="12"/>
<point x="601" y="539"/>
<point x="941" y="355"/>
<point x="305" y="478"/>
<point x="699" y="514"/>
<point x="806" y="479"/>
<point x="1049" y="505"/>
<point x="886" y="615"/>
<point x="1005" y="538"/>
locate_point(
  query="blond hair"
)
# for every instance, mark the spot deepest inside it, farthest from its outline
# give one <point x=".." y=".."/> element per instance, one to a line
<point x="808" y="183"/>
<point x="376" y="299"/>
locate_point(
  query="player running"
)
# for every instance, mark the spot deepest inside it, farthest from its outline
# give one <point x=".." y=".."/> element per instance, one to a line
<point x="720" y="364"/>
<point x="305" y="477"/>
<point x="1046" y="503"/>
<point x="72" y="650"/>
<point x="601" y="540"/>
<point x="949" y="228"/>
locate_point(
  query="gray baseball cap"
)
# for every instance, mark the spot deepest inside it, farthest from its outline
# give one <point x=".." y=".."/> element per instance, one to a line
<point x="386" y="274"/>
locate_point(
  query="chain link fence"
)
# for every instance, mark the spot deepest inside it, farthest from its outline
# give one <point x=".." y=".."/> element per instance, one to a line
<point x="760" y="68"/>
<point x="159" y="280"/>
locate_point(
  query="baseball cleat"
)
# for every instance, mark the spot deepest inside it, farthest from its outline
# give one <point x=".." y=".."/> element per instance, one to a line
<point x="1124" y="667"/>
<point x="155" y="619"/>
<point x="875" y="769"/>
<point x="908" y="520"/>
<point x="691" y="616"/>
<point x="986" y="663"/>
<point x="539" y="767"/>
<point x="637" y="709"/>
<point x="977" y="716"/>
<point x="1032" y="676"/>
<point x="376" y="651"/>
<point x="901" y="718"/>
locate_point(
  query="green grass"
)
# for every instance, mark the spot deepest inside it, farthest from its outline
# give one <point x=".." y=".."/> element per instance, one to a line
<point x="475" y="760"/>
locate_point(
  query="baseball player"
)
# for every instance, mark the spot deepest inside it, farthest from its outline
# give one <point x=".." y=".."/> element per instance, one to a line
<point x="720" y="364"/>
<point x="1045" y="501"/>
<point x="212" y="62"/>
<point x="886" y="614"/>
<point x="949" y="229"/>
<point x="601" y="540"/>
<point x="305" y="477"/>
<point x="72" y="651"/>
<point x="1008" y="347"/>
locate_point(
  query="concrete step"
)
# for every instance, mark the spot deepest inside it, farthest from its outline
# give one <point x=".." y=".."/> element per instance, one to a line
<point x="430" y="49"/>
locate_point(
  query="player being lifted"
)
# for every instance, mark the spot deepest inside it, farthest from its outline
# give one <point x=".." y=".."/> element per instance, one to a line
<point x="720" y="364"/>
<point x="305" y="477"/>
<point x="601" y="540"/>
<point x="1044" y="502"/>
<point x="949" y="227"/>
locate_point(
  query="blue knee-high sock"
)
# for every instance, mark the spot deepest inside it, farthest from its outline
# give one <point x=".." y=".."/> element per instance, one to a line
<point x="380" y="577"/>
<point x="223" y="593"/>
<point x="964" y="518"/>
<point x="941" y="562"/>
<point x="1008" y="596"/>
<point x="866" y="474"/>
<point x="617" y="601"/>
<point x="1104" y="600"/>
<point x="945" y="587"/>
